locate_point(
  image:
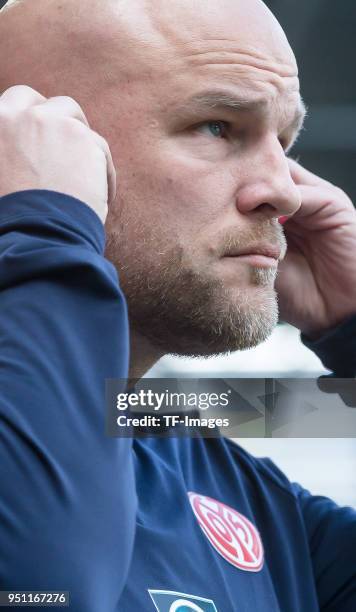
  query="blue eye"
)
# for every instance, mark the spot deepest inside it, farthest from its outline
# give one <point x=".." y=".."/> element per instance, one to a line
<point x="217" y="128"/>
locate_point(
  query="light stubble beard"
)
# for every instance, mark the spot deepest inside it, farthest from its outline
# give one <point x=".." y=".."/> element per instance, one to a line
<point x="184" y="310"/>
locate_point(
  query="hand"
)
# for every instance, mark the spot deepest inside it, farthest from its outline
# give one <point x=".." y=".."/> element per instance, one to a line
<point x="316" y="283"/>
<point x="48" y="144"/>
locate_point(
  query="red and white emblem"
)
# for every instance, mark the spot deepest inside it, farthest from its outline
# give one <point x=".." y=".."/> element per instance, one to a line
<point x="231" y="533"/>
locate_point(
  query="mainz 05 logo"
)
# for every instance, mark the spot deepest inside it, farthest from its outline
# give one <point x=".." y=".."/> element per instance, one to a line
<point x="170" y="601"/>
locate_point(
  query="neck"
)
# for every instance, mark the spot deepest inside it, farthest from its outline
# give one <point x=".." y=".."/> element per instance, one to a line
<point x="143" y="355"/>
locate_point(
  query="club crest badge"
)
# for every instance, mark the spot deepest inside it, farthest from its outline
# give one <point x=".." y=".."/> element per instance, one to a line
<point x="232" y="535"/>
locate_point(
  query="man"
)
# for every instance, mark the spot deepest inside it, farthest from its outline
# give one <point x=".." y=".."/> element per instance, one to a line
<point x="199" y="104"/>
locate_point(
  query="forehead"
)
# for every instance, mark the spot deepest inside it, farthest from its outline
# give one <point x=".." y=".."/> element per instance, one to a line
<point x="180" y="28"/>
<point x="189" y="46"/>
<point x="201" y="27"/>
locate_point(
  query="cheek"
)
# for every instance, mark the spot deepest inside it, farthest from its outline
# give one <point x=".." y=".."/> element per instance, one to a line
<point x="180" y="194"/>
<point x="195" y="192"/>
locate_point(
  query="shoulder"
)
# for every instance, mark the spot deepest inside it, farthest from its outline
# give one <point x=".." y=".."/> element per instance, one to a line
<point x="262" y="469"/>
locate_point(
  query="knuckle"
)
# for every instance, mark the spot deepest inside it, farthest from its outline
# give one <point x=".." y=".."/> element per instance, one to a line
<point x="77" y="126"/>
<point x="71" y="128"/>
<point x="70" y="101"/>
<point x="18" y="89"/>
<point x="103" y="143"/>
<point x="71" y="105"/>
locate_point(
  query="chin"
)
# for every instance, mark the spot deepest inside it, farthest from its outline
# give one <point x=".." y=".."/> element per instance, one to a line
<point x="233" y="325"/>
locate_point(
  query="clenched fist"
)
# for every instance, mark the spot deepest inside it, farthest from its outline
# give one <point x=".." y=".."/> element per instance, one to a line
<point x="48" y="144"/>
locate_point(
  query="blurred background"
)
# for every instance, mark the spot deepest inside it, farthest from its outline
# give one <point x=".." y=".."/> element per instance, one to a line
<point x="323" y="36"/>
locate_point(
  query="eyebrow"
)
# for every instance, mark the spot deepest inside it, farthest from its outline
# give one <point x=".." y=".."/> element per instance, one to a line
<point x="216" y="99"/>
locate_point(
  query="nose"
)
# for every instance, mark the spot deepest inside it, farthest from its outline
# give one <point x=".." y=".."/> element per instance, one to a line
<point x="267" y="185"/>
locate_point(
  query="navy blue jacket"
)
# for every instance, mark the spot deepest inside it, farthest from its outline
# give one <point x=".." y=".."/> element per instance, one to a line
<point x="124" y="525"/>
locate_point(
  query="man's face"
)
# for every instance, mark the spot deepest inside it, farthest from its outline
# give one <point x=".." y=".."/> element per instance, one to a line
<point x="202" y="121"/>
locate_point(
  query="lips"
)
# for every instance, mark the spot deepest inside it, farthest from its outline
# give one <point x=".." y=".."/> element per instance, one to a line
<point x="267" y="250"/>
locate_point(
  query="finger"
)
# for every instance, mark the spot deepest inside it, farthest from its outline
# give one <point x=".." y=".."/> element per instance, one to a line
<point x="21" y="97"/>
<point x="64" y="106"/>
<point x="111" y="172"/>
<point x="320" y="210"/>
<point x="313" y="199"/>
<point x="301" y="175"/>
